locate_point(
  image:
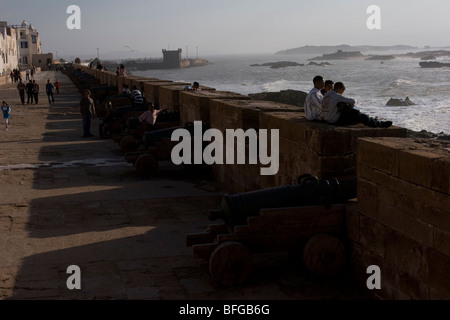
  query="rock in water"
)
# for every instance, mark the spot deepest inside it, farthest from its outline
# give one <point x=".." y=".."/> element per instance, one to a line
<point x="400" y="102"/>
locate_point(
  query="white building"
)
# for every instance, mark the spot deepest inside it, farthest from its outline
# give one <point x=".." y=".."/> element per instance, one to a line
<point x="9" y="55"/>
<point x="28" y="42"/>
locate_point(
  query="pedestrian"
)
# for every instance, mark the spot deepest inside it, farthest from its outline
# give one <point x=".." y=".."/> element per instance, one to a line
<point x="27" y="74"/>
<point x="57" y="86"/>
<point x="12" y="76"/>
<point x="21" y="87"/>
<point x="87" y="111"/>
<point x="30" y="94"/>
<point x="49" y="89"/>
<point x="33" y="71"/>
<point x="6" y="110"/>
<point x="35" y="91"/>
<point x="16" y="76"/>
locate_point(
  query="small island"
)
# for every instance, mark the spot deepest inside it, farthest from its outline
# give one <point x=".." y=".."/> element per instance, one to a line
<point x="284" y="64"/>
<point x="279" y="64"/>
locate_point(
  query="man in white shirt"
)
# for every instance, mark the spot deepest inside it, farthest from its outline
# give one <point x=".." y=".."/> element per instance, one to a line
<point x="313" y="101"/>
<point x="337" y="109"/>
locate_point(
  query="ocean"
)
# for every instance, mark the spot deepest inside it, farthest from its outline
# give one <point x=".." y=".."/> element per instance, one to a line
<point x="371" y="83"/>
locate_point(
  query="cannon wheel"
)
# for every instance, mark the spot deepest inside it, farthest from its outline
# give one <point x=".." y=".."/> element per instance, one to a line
<point x="231" y="263"/>
<point x="324" y="254"/>
<point x="146" y="165"/>
<point x="128" y="143"/>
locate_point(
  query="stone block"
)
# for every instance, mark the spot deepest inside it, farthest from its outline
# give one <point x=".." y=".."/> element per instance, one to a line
<point x="441" y="241"/>
<point x="151" y="90"/>
<point x="195" y="105"/>
<point x="438" y="275"/>
<point x="404" y="254"/>
<point x="169" y="96"/>
<point x="373" y="236"/>
<point x="382" y="156"/>
<point x="367" y="193"/>
<point x="407" y="224"/>
<point x="440" y="175"/>
<point x="416" y="166"/>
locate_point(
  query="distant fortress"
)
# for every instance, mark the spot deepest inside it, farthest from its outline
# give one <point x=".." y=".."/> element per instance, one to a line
<point x="171" y="60"/>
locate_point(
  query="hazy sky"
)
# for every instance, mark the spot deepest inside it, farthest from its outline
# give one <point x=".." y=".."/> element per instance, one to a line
<point x="227" y="26"/>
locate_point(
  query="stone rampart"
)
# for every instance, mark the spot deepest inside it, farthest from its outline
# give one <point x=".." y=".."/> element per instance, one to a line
<point x="400" y="220"/>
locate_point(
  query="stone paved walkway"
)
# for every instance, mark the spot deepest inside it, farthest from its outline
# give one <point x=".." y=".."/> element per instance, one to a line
<point x="72" y="201"/>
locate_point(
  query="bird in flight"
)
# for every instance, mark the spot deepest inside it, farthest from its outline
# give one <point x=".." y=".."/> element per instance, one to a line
<point x="130" y="49"/>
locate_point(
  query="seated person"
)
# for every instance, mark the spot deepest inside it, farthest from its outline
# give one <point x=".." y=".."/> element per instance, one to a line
<point x="313" y="101"/>
<point x="126" y="91"/>
<point x="328" y="86"/>
<point x="137" y="96"/>
<point x="339" y="110"/>
<point x="195" y="87"/>
<point x="149" y="116"/>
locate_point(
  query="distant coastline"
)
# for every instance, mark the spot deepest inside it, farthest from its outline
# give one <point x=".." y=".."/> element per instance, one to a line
<point x="347" y="55"/>
<point x="344" y="47"/>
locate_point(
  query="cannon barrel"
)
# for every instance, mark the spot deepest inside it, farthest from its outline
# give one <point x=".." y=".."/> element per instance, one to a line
<point x="235" y="209"/>
<point x="151" y="137"/>
<point x="121" y="111"/>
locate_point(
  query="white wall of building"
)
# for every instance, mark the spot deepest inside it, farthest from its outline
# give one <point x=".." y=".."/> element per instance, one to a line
<point x="9" y="55"/>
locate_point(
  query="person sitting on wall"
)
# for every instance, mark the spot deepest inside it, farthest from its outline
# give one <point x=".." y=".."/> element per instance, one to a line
<point x="313" y="101"/>
<point x="328" y="86"/>
<point x="195" y="87"/>
<point x="122" y="71"/>
<point x="136" y="96"/>
<point x="126" y="91"/>
<point x="339" y="110"/>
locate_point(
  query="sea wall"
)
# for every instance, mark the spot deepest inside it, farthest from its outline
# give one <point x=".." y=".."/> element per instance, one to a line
<point x="400" y="220"/>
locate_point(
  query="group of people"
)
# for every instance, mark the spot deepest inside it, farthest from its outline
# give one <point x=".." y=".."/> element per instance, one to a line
<point x="325" y="102"/>
<point x="32" y="91"/>
<point x="16" y="75"/>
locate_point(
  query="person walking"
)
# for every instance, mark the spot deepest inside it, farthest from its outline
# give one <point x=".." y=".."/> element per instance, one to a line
<point x="27" y="74"/>
<point x="21" y="87"/>
<point x="35" y="91"/>
<point x="30" y="94"/>
<point x="49" y="89"/>
<point x="87" y="111"/>
<point x="6" y="110"/>
<point x="57" y="85"/>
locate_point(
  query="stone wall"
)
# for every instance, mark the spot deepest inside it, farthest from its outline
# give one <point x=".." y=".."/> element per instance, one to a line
<point x="402" y="222"/>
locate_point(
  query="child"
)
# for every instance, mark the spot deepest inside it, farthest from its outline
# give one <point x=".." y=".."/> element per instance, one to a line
<point x="6" y="109"/>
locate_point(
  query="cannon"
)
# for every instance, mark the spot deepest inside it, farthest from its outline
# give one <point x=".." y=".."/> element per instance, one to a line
<point x="157" y="146"/>
<point x="307" y="219"/>
<point x="310" y="191"/>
